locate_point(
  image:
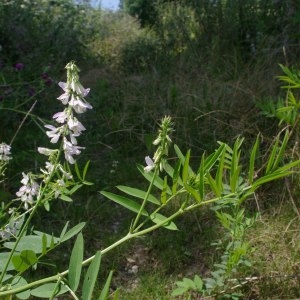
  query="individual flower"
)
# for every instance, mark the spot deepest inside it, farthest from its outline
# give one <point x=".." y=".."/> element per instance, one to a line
<point x="5" y="152"/>
<point x="61" y="117"/>
<point x="29" y="189"/>
<point x="48" y="168"/>
<point x="64" y="98"/>
<point x="75" y="126"/>
<point x="60" y="185"/>
<point x="70" y="150"/>
<point x="79" y="89"/>
<point x="80" y="106"/>
<point x="150" y="164"/>
<point x="54" y="133"/>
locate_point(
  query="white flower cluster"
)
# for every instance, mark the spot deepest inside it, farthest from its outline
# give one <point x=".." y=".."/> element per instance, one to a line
<point x="29" y="189"/>
<point x="5" y="152"/>
<point x="71" y="128"/>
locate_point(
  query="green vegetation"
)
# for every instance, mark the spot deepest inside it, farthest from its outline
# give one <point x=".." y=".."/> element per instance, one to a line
<point x="227" y="72"/>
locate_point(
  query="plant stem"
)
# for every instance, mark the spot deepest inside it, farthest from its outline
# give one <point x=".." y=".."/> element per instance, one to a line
<point x="145" y="200"/>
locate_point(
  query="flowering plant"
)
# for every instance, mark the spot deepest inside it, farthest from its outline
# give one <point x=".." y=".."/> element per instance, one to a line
<point x="220" y="180"/>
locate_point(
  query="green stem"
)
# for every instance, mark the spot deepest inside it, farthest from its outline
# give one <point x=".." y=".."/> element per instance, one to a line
<point x="133" y="227"/>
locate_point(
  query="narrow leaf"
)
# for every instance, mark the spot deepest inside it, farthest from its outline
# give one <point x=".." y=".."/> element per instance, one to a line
<point x="269" y="177"/>
<point x="160" y="219"/>
<point x="252" y="160"/>
<point x="213" y="158"/>
<point x="85" y="169"/>
<point x="185" y="171"/>
<point x="182" y="158"/>
<point x="91" y="277"/>
<point x="63" y="232"/>
<point x="73" y="231"/>
<point x="163" y="197"/>
<point x="272" y="157"/>
<point x="193" y="192"/>
<point x="75" y="263"/>
<point x="44" y="244"/>
<point x="213" y="185"/>
<point x="176" y="178"/>
<point x="105" y="291"/>
<point x="201" y="178"/>
<point x="137" y="193"/>
<point x="125" y="202"/>
<point x="281" y="150"/>
<point x="220" y="171"/>
<point x="78" y="172"/>
<point x="65" y="198"/>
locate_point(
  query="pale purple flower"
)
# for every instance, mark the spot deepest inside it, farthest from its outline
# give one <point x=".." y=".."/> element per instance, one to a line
<point x="71" y="150"/>
<point x="79" y="105"/>
<point x="49" y="168"/>
<point x="73" y="138"/>
<point x="67" y="175"/>
<point x="4" y="152"/>
<point x="54" y="133"/>
<point x="150" y="164"/>
<point x="60" y="117"/>
<point x="64" y="98"/>
<point x="29" y="189"/>
<point x="75" y="126"/>
<point x="60" y="184"/>
<point x="79" y="89"/>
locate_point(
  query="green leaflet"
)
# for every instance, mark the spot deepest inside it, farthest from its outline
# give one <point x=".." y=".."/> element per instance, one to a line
<point x="105" y="291"/>
<point x="47" y="290"/>
<point x="159" y="219"/>
<point x="125" y="202"/>
<point x="75" y="264"/>
<point x="73" y="231"/>
<point x="19" y="281"/>
<point x="137" y="193"/>
<point x="91" y="277"/>
<point x="34" y="243"/>
<point x="252" y="160"/>
<point x="24" y="260"/>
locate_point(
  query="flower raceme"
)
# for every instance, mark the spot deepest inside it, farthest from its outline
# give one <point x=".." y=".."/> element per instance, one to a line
<point x="28" y="191"/>
<point x="162" y="142"/>
<point x="73" y="98"/>
<point x="5" y="152"/>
